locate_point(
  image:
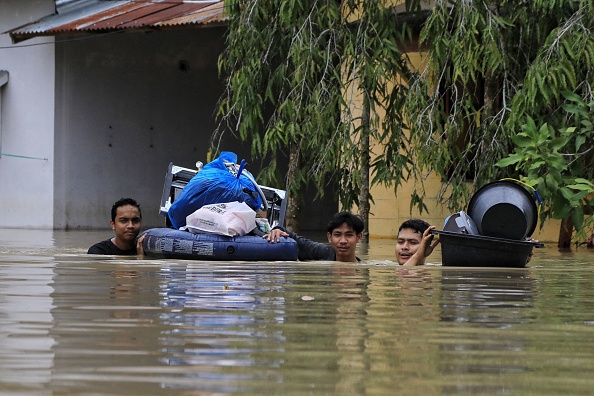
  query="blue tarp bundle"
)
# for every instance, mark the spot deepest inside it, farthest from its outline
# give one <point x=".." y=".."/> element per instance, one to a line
<point x="219" y="181"/>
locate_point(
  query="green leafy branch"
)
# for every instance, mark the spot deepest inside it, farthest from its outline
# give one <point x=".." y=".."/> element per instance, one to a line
<point x="558" y="163"/>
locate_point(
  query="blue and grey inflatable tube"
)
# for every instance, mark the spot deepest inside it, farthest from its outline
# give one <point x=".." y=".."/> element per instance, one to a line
<point x="171" y="243"/>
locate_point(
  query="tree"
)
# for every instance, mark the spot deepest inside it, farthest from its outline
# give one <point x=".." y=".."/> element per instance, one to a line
<point x="492" y="67"/>
<point x="281" y="79"/>
<point x="558" y="163"/>
<point x="294" y="73"/>
<point x="313" y="78"/>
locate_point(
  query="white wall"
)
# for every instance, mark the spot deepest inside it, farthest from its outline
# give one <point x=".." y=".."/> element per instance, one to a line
<point x="127" y="104"/>
<point x="26" y="185"/>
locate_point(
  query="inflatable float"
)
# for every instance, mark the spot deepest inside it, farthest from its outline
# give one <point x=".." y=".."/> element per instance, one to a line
<point x="171" y="243"/>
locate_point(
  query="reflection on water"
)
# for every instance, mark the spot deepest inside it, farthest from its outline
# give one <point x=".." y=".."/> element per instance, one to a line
<point x="77" y="324"/>
<point x="496" y="299"/>
<point x="211" y="316"/>
<point x="25" y="321"/>
<point x="485" y="301"/>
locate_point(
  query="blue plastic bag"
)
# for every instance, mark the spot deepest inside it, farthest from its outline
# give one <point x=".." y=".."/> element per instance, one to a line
<point x="219" y="181"/>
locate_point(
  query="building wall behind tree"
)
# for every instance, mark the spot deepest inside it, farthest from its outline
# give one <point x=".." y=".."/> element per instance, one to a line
<point x="27" y="116"/>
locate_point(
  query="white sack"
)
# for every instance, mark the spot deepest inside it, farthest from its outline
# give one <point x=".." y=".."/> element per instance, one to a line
<point x="230" y="219"/>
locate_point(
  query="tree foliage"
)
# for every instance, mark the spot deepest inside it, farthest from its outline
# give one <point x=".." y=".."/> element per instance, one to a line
<point x="282" y="78"/>
<point x="311" y="77"/>
<point x="494" y="69"/>
<point x="325" y="80"/>
<point x="558" y="163"/>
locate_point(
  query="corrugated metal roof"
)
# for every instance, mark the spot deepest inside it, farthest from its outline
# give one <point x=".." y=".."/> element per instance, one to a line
<point x="101" y="16"/>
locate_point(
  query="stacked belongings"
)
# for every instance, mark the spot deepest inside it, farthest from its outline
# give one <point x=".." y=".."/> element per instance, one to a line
<point x="222" y="198"/>
<point x="220" y="207"/>
<point x="496" y="230"/>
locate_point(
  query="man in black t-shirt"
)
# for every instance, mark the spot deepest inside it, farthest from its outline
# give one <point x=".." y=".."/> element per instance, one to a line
<point x="125" y="221"/>
<point x="344" y="231"/>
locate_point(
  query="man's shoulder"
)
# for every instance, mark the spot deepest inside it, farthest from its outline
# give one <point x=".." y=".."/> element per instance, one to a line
<point x="108" y="247"/>
<point x="103" y="247"/>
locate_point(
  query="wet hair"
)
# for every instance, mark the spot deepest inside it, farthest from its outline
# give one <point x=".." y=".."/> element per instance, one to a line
<point x="415" y="224"/>
<point x="353" y="221"/>
<point x="123" y="202"/>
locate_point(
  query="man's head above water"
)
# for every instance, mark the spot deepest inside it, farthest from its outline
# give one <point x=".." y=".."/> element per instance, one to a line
<point x="345" y="230"/>
<point x="414" y="242"/>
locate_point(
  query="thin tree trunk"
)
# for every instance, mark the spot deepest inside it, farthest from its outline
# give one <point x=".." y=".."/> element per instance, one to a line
<point x="490" y="86"/>
<point x="565" y="231"/>
<point x="293" y="206"/>
<point x="364" y="206"/>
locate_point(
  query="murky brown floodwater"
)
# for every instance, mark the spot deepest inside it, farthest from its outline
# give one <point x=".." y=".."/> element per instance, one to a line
<point x="71" y="324"/>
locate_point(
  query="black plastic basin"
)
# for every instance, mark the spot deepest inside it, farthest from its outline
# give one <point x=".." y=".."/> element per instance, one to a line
<point x="464" y="250"/>
<point x="504" y="209"/>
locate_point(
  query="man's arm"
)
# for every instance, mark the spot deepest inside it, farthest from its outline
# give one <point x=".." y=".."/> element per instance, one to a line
<point x="308" y="249"/>
<point x="139" y="248"/>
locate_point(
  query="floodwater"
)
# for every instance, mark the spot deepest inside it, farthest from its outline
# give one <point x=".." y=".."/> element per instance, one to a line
<point x="72" y="324"/>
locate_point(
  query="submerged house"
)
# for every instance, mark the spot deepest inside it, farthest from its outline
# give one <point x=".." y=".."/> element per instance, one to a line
<point x="93" y="112"/>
